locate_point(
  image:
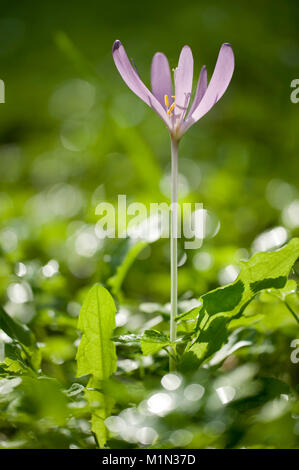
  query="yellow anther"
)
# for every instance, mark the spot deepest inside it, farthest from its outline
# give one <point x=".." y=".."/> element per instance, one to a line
<point x="171" y="108"/>
<point x="166" y="101"/>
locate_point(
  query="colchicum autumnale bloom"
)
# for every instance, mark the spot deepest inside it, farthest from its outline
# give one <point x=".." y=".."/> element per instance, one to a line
<point x="173" y="107"/>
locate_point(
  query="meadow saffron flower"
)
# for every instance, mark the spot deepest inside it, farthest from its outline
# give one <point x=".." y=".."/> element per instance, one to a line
<point x="173" y="108"/>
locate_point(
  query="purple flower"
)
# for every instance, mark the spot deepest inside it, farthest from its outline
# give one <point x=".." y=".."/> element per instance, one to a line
<point x="173" y="107"/>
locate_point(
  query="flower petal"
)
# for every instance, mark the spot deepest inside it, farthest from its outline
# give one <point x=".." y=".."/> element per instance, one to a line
<point x="132" y="79"/>
<point x="161" y="78"/>
<point x="200" y="90"/>
<point x="219" y="82"/>
<point x="183" y="81"/>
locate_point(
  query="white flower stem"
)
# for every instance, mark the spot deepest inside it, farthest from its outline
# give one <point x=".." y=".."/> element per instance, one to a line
<point x="174" y="244"/>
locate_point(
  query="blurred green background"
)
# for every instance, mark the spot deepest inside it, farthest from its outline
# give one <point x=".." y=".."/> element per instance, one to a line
<point x="72" y="135"/>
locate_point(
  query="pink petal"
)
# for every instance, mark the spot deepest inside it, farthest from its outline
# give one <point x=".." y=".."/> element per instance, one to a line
<point x="200" y="90"/>
<point x="220" y="80"/>
<point x="131" y="78"/>
<point x="183" y="81"/>
<point x="161" y="78"/>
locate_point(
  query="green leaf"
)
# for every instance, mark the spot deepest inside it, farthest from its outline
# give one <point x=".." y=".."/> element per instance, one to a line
<point x="210" y="339"/>
<point x="22" y="352"/>
<point x="262" y="271"/>
<point x="101" y="407"/>
<point x="240" y="338"/>
<point x="224" y="299"/>
<point x="96" y="353"/>
<point x="188" y="320"/>
<point x="13" y="358"/>
<point x="15" y="330"/>
<point x="153" y="341"/>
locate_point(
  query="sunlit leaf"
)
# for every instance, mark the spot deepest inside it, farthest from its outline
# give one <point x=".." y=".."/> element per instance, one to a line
<point x="262" y="271"/>
<point x="101" y="407"/>
<point x="96" y="353"/>
<point x="240" y="338"/>
<point x="153" y="341"/>
<point x="15" y="330"/>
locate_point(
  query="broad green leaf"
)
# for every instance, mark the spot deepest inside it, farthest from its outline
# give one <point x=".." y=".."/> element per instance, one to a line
<point x="189" y="315"/>
<point x="240" y="338"/>
<point x="15" y="330"/>
<point x="35" y="357"/>
<point x="289" y="296"/>
<point x="22" y="353"/>
<point x="263" y="271"/>
<point x="96" y="353"/>
<point x="211" y="339"/>
<point x="153" y="341"/>
<point x="13" y="358"/>
<point x="188" y="321"/>
<point x="101" y="407"/>
<point x="115" y="282"/>
<point x="273" y="295"/>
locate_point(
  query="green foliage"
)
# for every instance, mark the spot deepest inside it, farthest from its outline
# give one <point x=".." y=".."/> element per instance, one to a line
<point x="96" y="354"/>
<point x="101" y="406"/>
<point x="15" y="330"/>
<point x="231" y="383"/>
<point x="210" y="334"/>
<point x="153" y="341"/>
<point x="22" y="354"/>
<point x="262" y="271"/>
<point x="87" y="139"/>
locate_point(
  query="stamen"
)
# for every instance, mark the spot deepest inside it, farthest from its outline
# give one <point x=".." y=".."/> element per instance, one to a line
<point x="166" y="101"/>
<point x="171" y="108"/>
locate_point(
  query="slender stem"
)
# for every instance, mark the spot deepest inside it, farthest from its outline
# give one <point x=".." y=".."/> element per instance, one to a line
<point x="291" y="311"/>
<point x="173" y="244"/>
